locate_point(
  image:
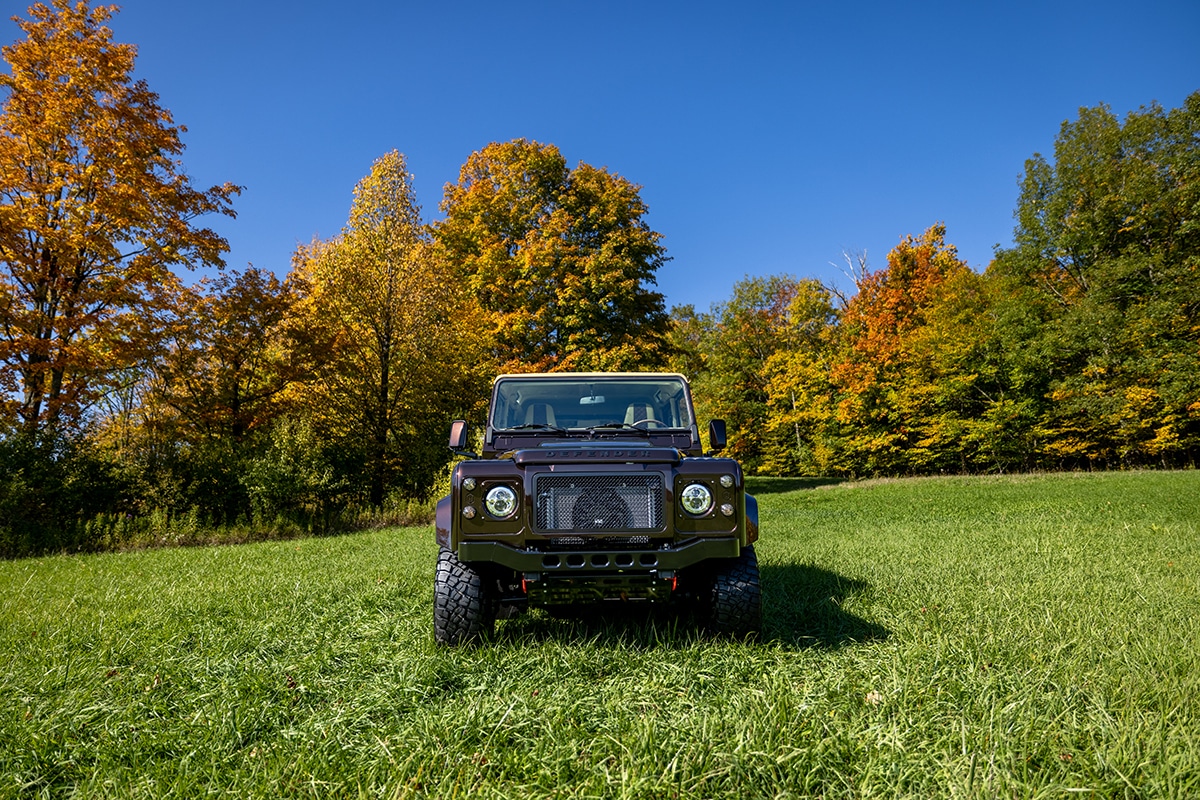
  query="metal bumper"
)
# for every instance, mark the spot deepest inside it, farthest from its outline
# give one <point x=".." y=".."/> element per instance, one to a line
<point x="600" y="562"/>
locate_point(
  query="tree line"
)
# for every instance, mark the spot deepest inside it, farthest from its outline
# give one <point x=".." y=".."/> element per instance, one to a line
<point x="1077" y="348"/>
<point x="135" y="407"/>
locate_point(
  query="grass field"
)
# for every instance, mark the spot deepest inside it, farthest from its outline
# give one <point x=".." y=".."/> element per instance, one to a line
<point x="958" y="637"/>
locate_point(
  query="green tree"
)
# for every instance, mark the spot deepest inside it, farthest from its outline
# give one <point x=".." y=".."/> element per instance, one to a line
<point x="95" y="211"/>
<point x="560" y="260"/>
<point x="1107" y="258"/>
<point x="293" y="478"/>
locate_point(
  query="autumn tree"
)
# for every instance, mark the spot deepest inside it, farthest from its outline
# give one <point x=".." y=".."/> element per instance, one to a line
<point x="727" y="351"/>
<point x="801" y="423"/>
<point x="882" y="394"/>
<point x="232" y="354"/>
<point x="561" y="260"/>
<point x="186" y="421"/>
<point x="402" y="356"/>
<point x="95" y="213"/>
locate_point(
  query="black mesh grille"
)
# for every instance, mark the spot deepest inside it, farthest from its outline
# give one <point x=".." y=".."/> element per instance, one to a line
<point x="599" y="502"/>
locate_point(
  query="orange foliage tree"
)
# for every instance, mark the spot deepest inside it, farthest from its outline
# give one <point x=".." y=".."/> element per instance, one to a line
<point x="233" y="356"/>
<point x="884" y="388"/>
<point x="95" y="212"/>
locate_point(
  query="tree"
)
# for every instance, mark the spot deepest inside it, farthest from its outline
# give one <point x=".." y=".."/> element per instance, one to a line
<point x="559" y="259"/>
<point x="738" y="338"/>
<point x="234" y="355"/>
<point x="1107" y="261"/>
<point x="801" y="420"/>
<point x="188" y="420"/>
<point x="402" y="346"/>
<point x="95" y="212"/>
<point x="884" y="389"/>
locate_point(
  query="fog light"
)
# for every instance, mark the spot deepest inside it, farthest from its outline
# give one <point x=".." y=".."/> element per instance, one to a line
<point x="727" y="509"/>
<point x="469" y="512"/>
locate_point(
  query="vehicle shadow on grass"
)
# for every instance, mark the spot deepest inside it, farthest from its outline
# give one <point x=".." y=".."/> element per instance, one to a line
<point x="802" y="608"/>
<point x="804" y="605"/>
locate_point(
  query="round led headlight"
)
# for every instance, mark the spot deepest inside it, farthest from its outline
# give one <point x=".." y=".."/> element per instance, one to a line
<point x="501" y="501"/>
<point x="696" y="499"/>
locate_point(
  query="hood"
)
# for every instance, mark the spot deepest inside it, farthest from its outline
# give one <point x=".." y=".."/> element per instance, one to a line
<point x="608" y="453"/>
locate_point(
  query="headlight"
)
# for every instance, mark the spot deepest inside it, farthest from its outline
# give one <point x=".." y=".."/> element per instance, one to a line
<point x="696" y="499"/>
<point x="501" y="501"/>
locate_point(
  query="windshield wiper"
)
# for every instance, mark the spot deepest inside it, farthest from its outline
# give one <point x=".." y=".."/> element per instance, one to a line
<point x="614" y="427"/>
<point x="538" y="426"/>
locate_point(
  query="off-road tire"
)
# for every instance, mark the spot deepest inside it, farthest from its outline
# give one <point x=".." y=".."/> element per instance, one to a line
<point x="735" y="597"/>
<point x="463" y="610"/>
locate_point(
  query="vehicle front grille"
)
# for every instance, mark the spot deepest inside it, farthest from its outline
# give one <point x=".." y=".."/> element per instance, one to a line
<point x="599" y="502"/>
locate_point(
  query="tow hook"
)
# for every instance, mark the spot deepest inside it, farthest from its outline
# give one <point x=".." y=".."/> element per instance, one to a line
<point x="528" y="578"/>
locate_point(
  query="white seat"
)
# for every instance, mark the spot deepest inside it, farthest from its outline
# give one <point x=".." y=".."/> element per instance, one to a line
<point x="639" y="412"/>
<point x="540" y="414"/>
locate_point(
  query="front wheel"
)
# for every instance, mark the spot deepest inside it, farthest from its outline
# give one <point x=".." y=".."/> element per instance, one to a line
<point x="735" y="596"/>
<point x="462" y="609"/>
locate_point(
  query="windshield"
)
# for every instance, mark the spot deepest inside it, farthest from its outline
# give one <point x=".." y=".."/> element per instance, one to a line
<point x="585" y="402"/>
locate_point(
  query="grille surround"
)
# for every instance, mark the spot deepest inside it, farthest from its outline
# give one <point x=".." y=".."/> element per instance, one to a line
<point x="599" y="502"/>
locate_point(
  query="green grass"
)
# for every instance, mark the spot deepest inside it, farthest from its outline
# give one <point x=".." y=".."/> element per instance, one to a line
<point x="959" y="637"/>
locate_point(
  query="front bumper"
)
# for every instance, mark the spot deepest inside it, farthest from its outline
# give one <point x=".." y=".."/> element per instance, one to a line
<point x="600" y="563"/>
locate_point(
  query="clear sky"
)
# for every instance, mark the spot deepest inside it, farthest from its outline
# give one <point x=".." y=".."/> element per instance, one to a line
<point x="768" y="137"/>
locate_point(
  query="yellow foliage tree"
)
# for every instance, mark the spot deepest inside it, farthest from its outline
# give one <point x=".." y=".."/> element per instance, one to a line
<point x="561" y="260"/>
<point x="401" y="348"/>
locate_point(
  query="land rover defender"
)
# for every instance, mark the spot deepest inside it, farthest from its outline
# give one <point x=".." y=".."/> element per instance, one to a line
<point x="594" y="488"/>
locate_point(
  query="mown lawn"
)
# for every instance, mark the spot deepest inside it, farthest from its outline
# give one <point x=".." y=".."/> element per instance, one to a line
<point x="958" y="637"/>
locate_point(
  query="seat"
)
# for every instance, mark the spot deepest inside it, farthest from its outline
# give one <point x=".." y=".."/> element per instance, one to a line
<point x="640" y="412"/>
<point x="540" y="414"/>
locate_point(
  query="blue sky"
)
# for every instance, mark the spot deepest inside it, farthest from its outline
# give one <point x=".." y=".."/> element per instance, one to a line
<point x="768" y="137"/>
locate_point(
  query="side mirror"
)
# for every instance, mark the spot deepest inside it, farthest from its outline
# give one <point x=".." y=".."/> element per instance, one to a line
<point x="458" y="438"/>
<point x="716" y="435"/>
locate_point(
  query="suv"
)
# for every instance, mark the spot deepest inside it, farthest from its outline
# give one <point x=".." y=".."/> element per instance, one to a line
<point x="593" y="488"/>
